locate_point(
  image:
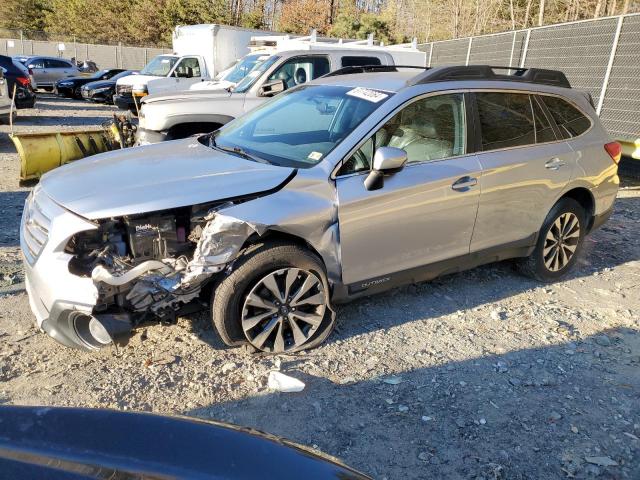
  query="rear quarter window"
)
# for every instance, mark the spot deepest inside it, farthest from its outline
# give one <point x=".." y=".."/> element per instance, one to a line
<point x="356" y="61"/>
<point x="571" y="121"/>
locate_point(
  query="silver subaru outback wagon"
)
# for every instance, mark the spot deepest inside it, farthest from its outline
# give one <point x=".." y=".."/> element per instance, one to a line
<point x="345" y="186"/>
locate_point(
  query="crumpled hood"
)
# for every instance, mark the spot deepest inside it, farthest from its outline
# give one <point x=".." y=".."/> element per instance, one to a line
<point x="156" y="177"/>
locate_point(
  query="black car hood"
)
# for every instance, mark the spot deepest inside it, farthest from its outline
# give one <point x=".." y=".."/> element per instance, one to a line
<point x="65" y="443"/>
<point x="77" y="80"/>
<point x="100" y="84"/>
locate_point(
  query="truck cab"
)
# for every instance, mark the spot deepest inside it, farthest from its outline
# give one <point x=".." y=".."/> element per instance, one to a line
<point x="126" y="87"/>
<point x="201" y="52"/>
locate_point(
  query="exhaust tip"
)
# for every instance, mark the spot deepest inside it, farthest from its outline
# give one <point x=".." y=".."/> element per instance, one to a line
<point x="99" y="331"/>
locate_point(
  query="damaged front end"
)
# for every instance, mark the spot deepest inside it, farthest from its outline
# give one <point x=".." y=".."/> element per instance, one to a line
<point x="152" y="267"/>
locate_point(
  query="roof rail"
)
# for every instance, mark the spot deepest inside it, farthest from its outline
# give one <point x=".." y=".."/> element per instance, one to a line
<point x="368" y="69"/>
<point x="541" y="76"/>
<point x="487" y="72"/>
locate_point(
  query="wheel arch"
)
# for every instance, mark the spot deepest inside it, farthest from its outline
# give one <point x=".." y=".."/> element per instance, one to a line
<point x="586" y="200"/>
<point x="186" y="129"/>
<point x="272" y="236"/>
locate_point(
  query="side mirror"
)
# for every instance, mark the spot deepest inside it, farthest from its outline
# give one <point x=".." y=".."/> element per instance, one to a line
<point x="272" y="88"/>
<point x="386" y="160"/>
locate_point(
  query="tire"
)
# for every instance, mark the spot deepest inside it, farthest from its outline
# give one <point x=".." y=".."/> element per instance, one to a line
<point x="542" y="264"/>
<point x="77" y="93"/>
<point x="233" y="313"/>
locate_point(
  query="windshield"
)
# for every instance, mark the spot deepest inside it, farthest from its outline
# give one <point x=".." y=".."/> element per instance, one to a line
<point x="100" y="73"/>
<point x="159" y="66"/>
<point x="298" y="128"/>
<point x="253" y="75"/>
<point x="243" y="67"/>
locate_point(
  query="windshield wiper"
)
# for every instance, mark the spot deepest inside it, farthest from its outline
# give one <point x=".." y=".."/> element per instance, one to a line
<point x="237" y="150"/>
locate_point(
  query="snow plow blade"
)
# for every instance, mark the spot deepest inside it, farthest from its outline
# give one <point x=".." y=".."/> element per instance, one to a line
<point x="41" y="152"/>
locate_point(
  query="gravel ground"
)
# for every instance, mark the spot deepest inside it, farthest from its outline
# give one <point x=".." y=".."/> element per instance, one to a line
<point x="480" y="375"/>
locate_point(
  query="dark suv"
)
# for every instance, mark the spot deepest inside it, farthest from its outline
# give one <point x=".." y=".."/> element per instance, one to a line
<point x="18" y="78"/>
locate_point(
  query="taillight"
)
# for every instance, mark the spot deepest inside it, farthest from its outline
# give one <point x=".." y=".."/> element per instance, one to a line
<point x="24" y="81"/>
<point x="614" y="149"/>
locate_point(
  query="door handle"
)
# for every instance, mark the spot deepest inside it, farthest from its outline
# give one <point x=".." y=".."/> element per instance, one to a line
<point x="554" y="164"/>
<point x="465" y="183"/>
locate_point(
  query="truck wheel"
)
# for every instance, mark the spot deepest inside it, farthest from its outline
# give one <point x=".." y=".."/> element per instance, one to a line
<point x="276" y="299"/>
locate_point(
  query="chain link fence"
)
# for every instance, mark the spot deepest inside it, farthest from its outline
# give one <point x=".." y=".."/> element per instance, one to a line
<point x="600" y="56"/>
<point x="27" y="42"/>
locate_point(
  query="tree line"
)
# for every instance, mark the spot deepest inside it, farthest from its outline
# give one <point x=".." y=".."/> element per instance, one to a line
<point x="150" y="22"/>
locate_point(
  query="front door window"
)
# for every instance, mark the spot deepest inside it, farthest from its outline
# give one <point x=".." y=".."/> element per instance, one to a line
<point x="428" y="129"/>
<point x="299" y="70"/>
<point x="188" y="68"/>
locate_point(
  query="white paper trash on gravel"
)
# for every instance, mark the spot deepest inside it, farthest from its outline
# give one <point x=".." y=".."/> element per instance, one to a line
<point x="284" y="383"/>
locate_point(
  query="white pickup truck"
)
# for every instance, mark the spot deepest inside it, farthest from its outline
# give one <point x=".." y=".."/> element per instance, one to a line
<point x="181" y="114"/>
<point x="201" y="53"/>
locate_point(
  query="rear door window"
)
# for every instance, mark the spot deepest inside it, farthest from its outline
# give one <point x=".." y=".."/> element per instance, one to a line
<point x="37" y="63"/>
<point x="356" y="61"/>
<point x="51" y="63"/>
<point x="544" y="130"/>
<point x="506" y="120"/>
<point x="571" y="121"/>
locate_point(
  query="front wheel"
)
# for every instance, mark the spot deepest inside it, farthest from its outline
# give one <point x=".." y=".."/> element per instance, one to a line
<point x="559" y="242"/>
<point x="276" y="299"/>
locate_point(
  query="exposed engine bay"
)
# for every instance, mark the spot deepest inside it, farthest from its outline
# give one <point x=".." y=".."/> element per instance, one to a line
<point x="154" y="266"/>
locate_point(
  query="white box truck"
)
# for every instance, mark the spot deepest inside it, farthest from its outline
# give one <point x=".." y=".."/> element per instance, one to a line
<point x="200" y="53"/>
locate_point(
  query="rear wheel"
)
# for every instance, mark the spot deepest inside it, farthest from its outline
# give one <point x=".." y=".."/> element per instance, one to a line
<point x="559" y="242"/>
<point x="276" y="299"/>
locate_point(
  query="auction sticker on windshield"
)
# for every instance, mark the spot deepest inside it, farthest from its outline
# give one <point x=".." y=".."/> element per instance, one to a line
<point x="367" y="94"/>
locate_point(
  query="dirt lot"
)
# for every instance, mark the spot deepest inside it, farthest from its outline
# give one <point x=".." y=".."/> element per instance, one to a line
<point x="483" y="375"/>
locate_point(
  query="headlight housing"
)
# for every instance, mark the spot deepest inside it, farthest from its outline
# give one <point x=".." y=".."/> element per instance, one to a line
<point x="65" y="84"/>
<point x="100" y="90"/>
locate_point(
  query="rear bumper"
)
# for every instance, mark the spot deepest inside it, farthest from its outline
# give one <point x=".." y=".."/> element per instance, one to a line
<point x="28" y="102"/>
<point x="25" y="98"/>
<point x="601" y="219"/>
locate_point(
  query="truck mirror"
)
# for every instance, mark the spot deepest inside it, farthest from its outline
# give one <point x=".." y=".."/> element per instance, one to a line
<point x="272" y="88"/>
